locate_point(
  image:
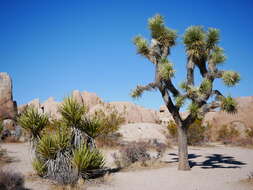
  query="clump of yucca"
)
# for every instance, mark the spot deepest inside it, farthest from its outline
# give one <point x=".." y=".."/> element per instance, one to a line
<point x="65" y="154"/>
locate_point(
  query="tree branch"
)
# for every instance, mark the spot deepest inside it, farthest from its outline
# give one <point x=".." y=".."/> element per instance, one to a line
<point x="190" y="71"/>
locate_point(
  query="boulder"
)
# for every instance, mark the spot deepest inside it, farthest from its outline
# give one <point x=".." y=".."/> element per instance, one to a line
<point x="143" y="132"/>
<point x="136" y="114"/>
<point x="50" y="107"/>
<point x="8" y="107"/>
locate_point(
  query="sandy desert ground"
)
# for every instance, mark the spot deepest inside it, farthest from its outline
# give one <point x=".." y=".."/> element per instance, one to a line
<point x="213" y="168"/>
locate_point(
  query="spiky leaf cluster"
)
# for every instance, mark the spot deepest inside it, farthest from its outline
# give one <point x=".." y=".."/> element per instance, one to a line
<point x="194" y="40"/>
<point x="160" y="32"/>
<point x="72" y="112"/>
<point x="183" y="85"/>
<point x="212" y="38"/>
<point x="217" y="56"/>
<point x="32" y="121"/>
<point x="85" y="159"/>
<point x="166" y="70"/>
<point x="40" y="167"/>
<point x="180" y="100"/>
<point x="230" y="78"/>
<point x="193" y="109"/>
<point x="141" y="45"/>
<point x="92" y="126"/>
<point x="205" y="86"/>
<point x="229" y="105"/>
<point x="137" y="92"/>
<point x="47" y="147"/>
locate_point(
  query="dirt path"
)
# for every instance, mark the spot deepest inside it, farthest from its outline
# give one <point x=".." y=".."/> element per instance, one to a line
<point x="214" y="168"/>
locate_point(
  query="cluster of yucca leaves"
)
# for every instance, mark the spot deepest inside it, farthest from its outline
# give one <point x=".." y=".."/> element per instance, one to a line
<point x="63" y="154"/>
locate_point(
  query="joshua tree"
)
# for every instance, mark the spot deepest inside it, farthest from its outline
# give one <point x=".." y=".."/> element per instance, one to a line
<point x="202" y="51"/>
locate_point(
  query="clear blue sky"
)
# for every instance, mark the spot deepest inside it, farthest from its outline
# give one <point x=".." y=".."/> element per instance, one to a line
<point x="51" y="47"/>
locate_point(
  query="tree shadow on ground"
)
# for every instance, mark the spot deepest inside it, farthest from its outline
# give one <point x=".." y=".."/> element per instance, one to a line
<point x="212" y="161"/>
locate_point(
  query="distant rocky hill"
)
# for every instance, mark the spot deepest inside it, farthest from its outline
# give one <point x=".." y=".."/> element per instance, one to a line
<point x="137" y="114"/>
<point x="132" y="112"/>
<point x="241" y="120"/>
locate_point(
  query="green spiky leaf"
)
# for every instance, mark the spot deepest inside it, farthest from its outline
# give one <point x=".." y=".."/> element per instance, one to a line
<point x="39" y="167"/>
<point x="218" y="55"/>
<point x="166" y="71"/>
<point x="47" y="147"/>
<point x="72" y="112"/>
<point x="230" y="78"/>
<point x="34" y="122"/>
<point x="229" y="105"/>
<point x="193" y="35"/>
<point x="205" y="86"/>
<point x="136" y="93"/>
<point x="141" y="45"/>
<point x="213" y="37"/>
<point x="164" y="35"/>
<point x="183" y="86"/>
<point x="84" y="159"/>
<point x="180" y="100"/>
<point x="193" y="108"/>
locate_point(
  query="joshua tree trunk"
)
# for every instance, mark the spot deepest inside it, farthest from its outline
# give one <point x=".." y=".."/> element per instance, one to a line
<point x="183" y="148"/>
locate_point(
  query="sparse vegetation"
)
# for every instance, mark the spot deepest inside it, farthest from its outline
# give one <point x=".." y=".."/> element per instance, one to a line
<point x="132" y="153"/>
<point x="11" y="181"/>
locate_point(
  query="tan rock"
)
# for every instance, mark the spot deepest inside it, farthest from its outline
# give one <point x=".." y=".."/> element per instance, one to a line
<point x="8" y="107"/>
<point x="50" y="107"/>
<point x="143" y="132"/>
<point x="90" y="99"/>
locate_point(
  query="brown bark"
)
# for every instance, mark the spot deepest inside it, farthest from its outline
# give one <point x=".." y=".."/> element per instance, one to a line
<point x="183" y="163"/>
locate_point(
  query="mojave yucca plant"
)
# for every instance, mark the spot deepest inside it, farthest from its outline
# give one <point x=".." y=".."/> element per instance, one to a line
<point x="85" y="159"/>
<point x="39" y="167"/>
<point x="34" y="122"/>
<point x="47" y="147"/>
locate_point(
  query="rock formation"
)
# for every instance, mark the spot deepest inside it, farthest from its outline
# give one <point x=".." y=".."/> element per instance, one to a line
<point x="240" y="120"/>
<point x="143" y="132"/>
<point x="132" y="113"/>
<point x="8" y="107"/>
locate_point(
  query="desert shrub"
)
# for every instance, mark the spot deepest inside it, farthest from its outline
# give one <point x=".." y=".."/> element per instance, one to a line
<point x="135" y="152"/>
<point x="195" y="133"/>
<point x="110" y="120"/>
<point x="11" y="181"/>
<point x="227" y="134"/>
